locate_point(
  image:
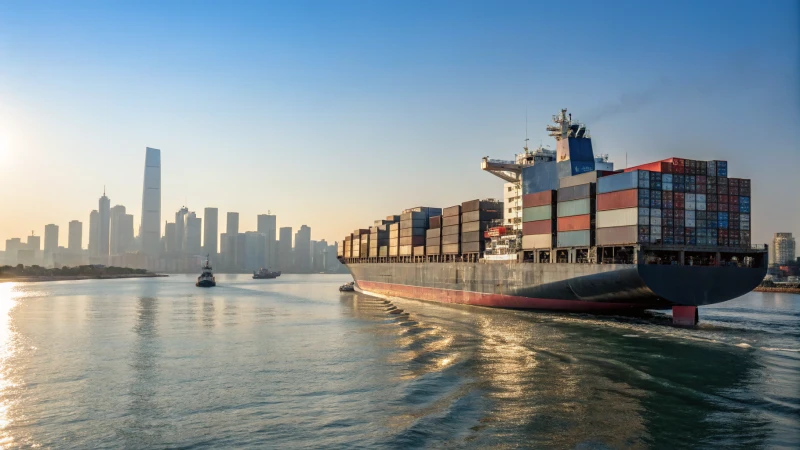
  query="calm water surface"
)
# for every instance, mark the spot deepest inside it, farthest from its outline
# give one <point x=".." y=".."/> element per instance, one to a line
<point x="292" y="363"/>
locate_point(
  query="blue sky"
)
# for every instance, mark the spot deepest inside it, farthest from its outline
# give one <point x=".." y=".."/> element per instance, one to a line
<point x="333" y="114"/>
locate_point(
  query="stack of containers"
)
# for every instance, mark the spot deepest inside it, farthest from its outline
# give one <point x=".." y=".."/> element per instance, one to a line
<point x="379" y="239"/>
<point x="575" y="211"/>
<point x="365" y="246"/>
<point x="340" y="249"/>
<point x="538" y="220"/>
<point x="623" y="209"/>
<point x="433" y="236"/>
<point x="451" y="230"/>
<point x="394" y="239"/>
<point x="412" y="231"/>
<point x="347" y="246"/>
<point x="356" y="248"/>
<point x="744" y="213"/>
<point x="476" y="216"/>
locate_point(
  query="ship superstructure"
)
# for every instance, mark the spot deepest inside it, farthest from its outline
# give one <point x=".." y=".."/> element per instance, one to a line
<point x="573" y="234"/>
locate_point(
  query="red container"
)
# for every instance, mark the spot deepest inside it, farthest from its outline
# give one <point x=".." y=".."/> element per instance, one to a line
<point x="679" y="196"/>
<point x="666" y="196"/>
<point x="733" y="200"/>
<point x="617" y="200"/>
<point x="658" y="166"/>
<point x="538" y="199"/>
<point x="680" y="214"/>
<point x="574" y="223"/>
<point x="679" y="204"/>
<point x="537" y="227"/>
<point x="721" y="207"/>
<point x="711" y="206"/>
<point x="701" y="179"/>
<point x="733" y="182"/>
<point x="722" y="198"/>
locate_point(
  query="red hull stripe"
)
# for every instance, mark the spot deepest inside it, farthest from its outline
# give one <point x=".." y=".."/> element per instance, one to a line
<point x="490" y="300"/>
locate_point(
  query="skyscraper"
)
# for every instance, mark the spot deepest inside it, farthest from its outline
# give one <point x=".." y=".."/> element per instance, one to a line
<point x="193" y="234"/>
<point x="302" y="250"/>
<point x="285" y="260"/>
<point x="117" y="213"/>
<point x="104" y="225"/>
<point x="210" y="231"/>
<point x="171" y="238"/>
<point x="94" y="233"/>
<point x="50" y="238"/>
<point x="180" y="227"/>
<point x="126" y="233"/>
<point x="783" y="248"/>
<point x="34" y="243"/>
<point x="150" y="229"/>
<point x="267" y="227"/>
<point x="255" y="244"/>
<point x="233" y="223"/>
<point x="75" y="240"/>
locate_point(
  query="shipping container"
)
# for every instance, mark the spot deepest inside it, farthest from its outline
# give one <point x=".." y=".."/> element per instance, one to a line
<point x="451" y="230"/>
<point x="477" y="226"/>
<point x="542" y="176"/>
<point x="618" y="182"/>
<point x="412" y="240"/>
<point x="473" y="247"/>
<point x="405" y="232"/>
<point x="538" y="227"/>
<point x="418" y="250"/>
<point x="584" y="178"/>
<point x="575" y="192"/>
<point x="435" y="222"/>
<point x="574" y="238"/>
<point x="664" y="166"/>
<point x="436" y="250"/>
<point x="574" y="208"/>
<point x="413" y="223"/>
<point x="472" y="236"/>
<point x="405" y="250"/>
<point x="393" y="251"/>
<point x="449" y="221"/>
<point x="451" y="211"/>
<point x="532" y="242"/>
<point x="538" y="199"/>
<point x="617" y="235"/>
<point x="474" y="216"/>
<point x="544" y="212"/>
<point x="433" y="241"/>
<point x="451" y="249"/>
<point x="617" y="200"/>
<point x="482" y="205"/>
<point x="618" y="218"/>
<point x="433" y="233"/>
<point x="574" y="223"/>
<point x="392" y="219"/>
<point x="451" y="239"/>
<point x="394" y="227"/>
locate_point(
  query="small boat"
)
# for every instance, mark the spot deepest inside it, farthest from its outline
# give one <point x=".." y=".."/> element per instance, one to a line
<point x="264" y="273"/>
<point x="349" y="287"/>
<point x="206" y="278"/>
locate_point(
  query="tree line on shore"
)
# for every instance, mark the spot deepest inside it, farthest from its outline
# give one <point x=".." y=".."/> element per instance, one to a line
<point x="89" y="270"/>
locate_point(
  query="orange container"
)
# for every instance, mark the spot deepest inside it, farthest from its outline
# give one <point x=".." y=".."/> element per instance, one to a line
<point x="575" y="223"/>
<point x="618" y="200"/>
<point x="537" y="227"/>
<point x="538" y="199"/>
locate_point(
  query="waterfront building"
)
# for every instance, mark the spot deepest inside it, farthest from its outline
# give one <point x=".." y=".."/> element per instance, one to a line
<point x="50" y="238"/>
<point x="180" y="228"/>
<point x="115" y="233"/>
<point x="34" y="243"/>
<point x="94" y="233"/>
<point x="150" y="228"/>
<point x="170" y="238"/>
<point x="232" y="226"/>
<point x="267" y="226"/>
<point x="302" y="249"/>
<point x="75" y="239"/>
<point x="13" y="245"/>
<point x="210" y="231"/>
<point x="104" y="225"/>
<point x="255" y="247"/>
<point x="783" y="249"/>
<point x="193" y="234"/>
<point x="285" y="260"/>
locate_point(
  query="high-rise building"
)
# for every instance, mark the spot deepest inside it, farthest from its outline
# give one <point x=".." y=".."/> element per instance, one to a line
<point x="75" y="239"/>
<point x="783" y="248"/>
<point x="211" y="231"/>
<point x="94" y="233"/>
<point x="34" y="243"/>
<point x="285" y="260"/>
<point x="50" y="238"/>
<point x="302" y="250"/>
<point x="255" y="245"/>
<point x="180" y="227"/>
<point x="232" y="226"/>
<point x="115" y="233"/>
<point x="193" y="234"/>
<point x="150" y="228"/>
<point x="170" y="238"/>
<point x="267" y="226"/>
<point x="318" y="250"/>
<point x="13" y="245"/>
<point x="104" y="225"/>
<point x="126" y="238"/>
<point x="227" y="250"/>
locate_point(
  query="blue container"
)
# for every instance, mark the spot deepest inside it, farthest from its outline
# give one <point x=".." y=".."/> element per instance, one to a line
<point x="644" y="193"/>
<point x="691" y="241"/>
<point x="542" y="176"/>
<point x="711" y="223"/>
<point x="666" y="186"/>
<point x="722" y="216"/>
<point x="744" y="208"/>
<point x="571" y="168"/>
<point x="574" y="238"/>
<point x="700" y="223"/>
<point x="619" y="182"/>
<point x="666" y="178"/>
<point x="655" y="202"/>
<point x="678" y="178"/>
<point x="668" y="240"/>
<point x="701" y="232"/>
<point x="644" y="202"/>
<point x="744" y="200"/>
<point x="655" y="176"/>
<point x="722" y="224"/>
<point x="722" y="171"/>
<point x="678" y="187"/>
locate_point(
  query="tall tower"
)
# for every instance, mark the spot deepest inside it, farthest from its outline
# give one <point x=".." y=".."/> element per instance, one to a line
<point x="117" y="213"/>
<point x="211" y="231"/>
<point x="192" y="235"/>
<point x="783" y="248"/>
<point x="50" y="238"/>
<point x="267" y="226"/>
<point x="105" y="225"/>
<point x="150" y="229"/>
<point x="302" y="249"/>
<point x="180" y="228"/>
<point x="285" y="259"/>
<point x="75" y="241"/>
<point x="94" y="233"/>
<point x="232" y="227"/>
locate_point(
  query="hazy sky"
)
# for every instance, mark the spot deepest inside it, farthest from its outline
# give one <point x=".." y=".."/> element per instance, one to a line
<point x="335" y="113"/>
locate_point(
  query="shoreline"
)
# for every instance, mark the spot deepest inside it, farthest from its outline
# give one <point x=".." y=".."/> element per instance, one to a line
<point x="78" y="277"/>
<point x="784" y="290"/>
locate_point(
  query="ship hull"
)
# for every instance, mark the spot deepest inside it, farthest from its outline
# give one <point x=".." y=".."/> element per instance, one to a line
<point x="205" y="283"/>
<point x="560" y="287"/>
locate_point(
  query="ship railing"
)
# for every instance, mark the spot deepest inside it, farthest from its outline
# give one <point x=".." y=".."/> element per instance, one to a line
<point x="500" y="161"/>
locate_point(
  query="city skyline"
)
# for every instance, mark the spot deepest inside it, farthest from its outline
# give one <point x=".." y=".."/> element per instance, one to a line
<point x="421" y="98"/>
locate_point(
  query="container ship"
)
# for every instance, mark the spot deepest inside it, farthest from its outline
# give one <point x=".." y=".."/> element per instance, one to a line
<point x="572" y="234"/>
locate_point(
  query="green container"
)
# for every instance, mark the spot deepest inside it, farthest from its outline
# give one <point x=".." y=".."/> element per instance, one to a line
<point x="544" y="212"/>
<point x="575" y="208"/>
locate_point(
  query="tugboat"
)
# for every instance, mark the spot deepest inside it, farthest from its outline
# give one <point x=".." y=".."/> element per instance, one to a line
<point x="349" y="287"/>
<point x="264" y="273"/>
<point x="206" y="279"/>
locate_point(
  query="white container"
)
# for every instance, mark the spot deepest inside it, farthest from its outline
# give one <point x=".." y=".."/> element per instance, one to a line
<point x="535" y="241"/>
<point x="690" y="206"/>
<point x="690" y="223"/>
<point x="655" y="221"/>
<point x="655" y="212"/>
<point x="700" y="206"/>
<point x="691" y="197"/>
<point x="700" y="198"/>
<point x="618" y="218"/>
<point x="690" y="215"/>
